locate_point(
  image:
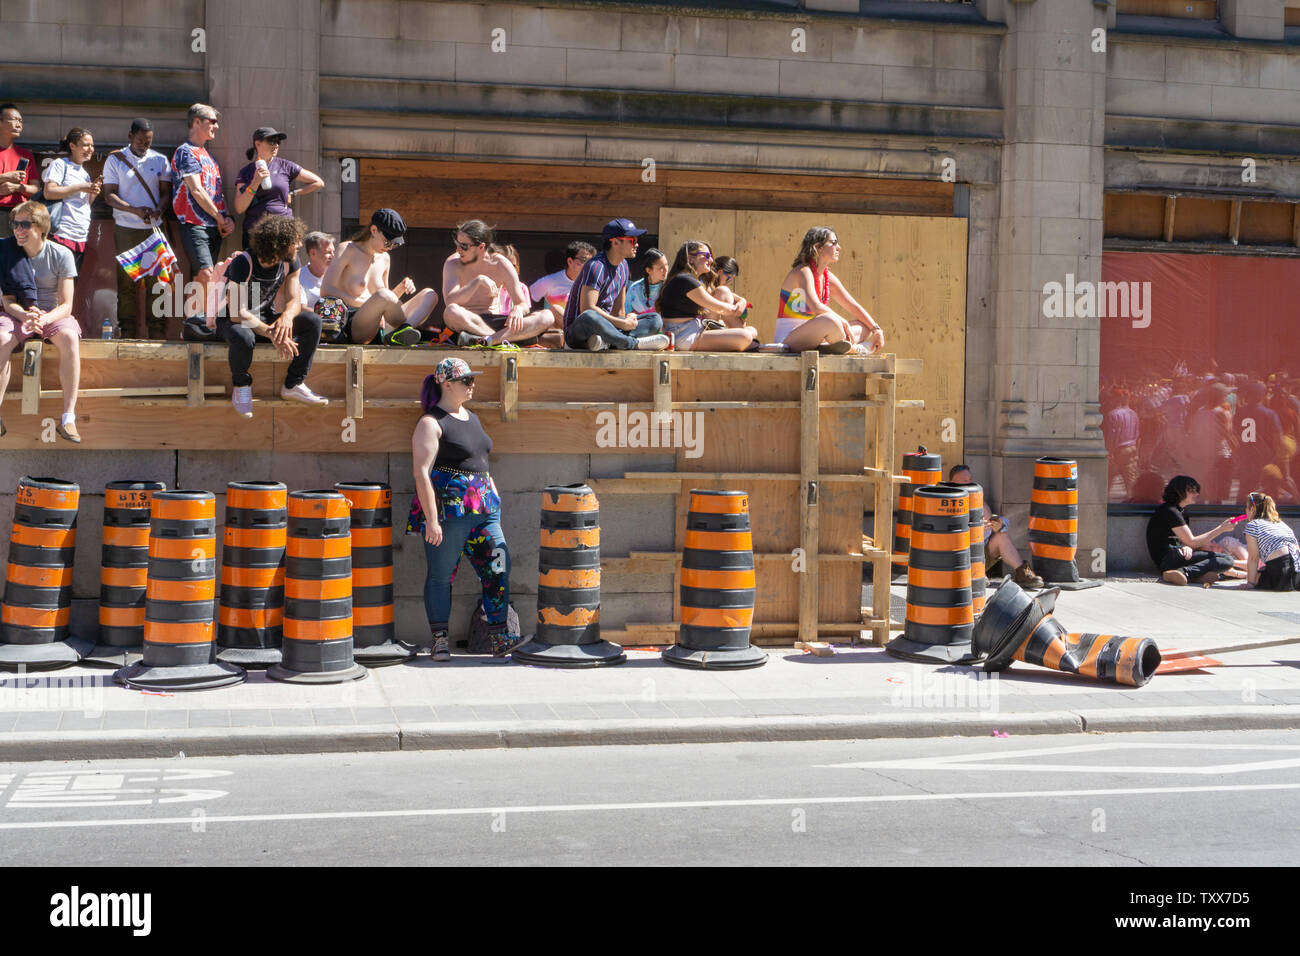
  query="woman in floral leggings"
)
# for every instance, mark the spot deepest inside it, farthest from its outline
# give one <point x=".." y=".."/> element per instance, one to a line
<point x="457" y="508"/>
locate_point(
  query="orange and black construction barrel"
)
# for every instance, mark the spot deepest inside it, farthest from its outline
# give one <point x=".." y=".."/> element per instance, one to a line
<point x="179" y="650"/>
<point x="374" y="634"/>
<point x="940" y="615"/>
<point x="1021" y="628"/>
<point x="1054" y="519"/>
<point x="124" y="572"/>
<point x="718" y="585"/>
<point x="978" y="567"/>
<point x="921" y="468"/>
<point x="37" y="608"/>
<point x="317" y="645"/>
<point x="568" y="584"/>
<point x="250" y="613"/>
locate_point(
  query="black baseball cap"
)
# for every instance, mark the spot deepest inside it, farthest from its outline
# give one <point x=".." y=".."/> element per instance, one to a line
<point x="390" y="224"/>
<point x="265" y="132"/>
<point x="141" y="125"/>
<point x="617" y="228"/>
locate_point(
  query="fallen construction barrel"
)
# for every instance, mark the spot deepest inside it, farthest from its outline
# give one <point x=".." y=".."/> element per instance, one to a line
<point x="568" y="584"/>
<point x="921" y="468"/>
<point x="978" y="573"/>
<point x="1054" y="519"/>
<point x="718" y="584"/>
<point x="37" y="608"/>
<point x="179" y="651"/>
<point x="124" y="571"/>
<point x="250" y="614"/>
<point x="374" y="632"/>
<point x="317" y="646"/>
<point x="1017" y="627"/>
<point x="940" y="615"/>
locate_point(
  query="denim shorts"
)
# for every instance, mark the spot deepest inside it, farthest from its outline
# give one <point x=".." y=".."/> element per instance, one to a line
<point x="202" y="245"/>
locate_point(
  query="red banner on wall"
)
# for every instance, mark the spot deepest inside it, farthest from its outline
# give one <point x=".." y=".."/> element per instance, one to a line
<point x="1200" y="374"/>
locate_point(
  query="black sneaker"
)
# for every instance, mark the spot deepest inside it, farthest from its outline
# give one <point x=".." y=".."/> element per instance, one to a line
<point x="405" y="336"/>
<point x="195" y="329"/>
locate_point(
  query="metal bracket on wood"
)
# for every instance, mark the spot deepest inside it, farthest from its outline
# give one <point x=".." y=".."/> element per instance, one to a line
<point x="663" y="389"/>
<point x="510" y="388"/>
<point x="355" y="382"/>
<point x="194" y="376"/>
<point x="32" y="377"/>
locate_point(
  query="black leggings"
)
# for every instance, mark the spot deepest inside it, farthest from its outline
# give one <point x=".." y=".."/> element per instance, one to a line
<point x="1201" y="562"/>
<point x="306" y="332"/>
<point x="1279" y="575"/>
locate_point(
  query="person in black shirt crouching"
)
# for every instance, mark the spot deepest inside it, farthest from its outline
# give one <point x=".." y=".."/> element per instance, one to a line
<point x="263" y="302"/>
<point x="1176" y="552"/>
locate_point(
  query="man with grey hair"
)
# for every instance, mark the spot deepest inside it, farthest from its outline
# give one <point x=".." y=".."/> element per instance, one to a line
<point x="320" y="253"/>
<point x="200" y="205"/>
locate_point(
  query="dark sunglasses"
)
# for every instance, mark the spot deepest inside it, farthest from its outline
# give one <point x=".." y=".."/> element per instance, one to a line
<point x="467" y="381"/>
<point x="21" y="223"/>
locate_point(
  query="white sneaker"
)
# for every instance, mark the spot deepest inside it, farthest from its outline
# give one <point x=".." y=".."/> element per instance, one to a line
<point x="242" y="399"/>
<point x="652" y="343"/>
<point x="596" y="343"/>
<point x="301" y="393"/>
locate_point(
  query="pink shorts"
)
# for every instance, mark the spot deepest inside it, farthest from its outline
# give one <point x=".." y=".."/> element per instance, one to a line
<point x="14" y="327"/>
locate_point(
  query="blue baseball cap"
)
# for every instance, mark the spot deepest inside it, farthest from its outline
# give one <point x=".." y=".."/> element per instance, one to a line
<point x="617" y="228"/>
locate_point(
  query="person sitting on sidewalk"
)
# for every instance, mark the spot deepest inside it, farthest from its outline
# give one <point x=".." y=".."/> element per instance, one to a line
<point x="263" y="297"/>
<point x="49" y="313"/>
<point x="684" y="297"/>
<point x="553" y="289"/>
<point x="805" y="319"/>
<point x="356" y="306"/>
<point x="473" y="279"/>
<point x="595" y="317"/>
<point x="1176" y="552"/>
<point x="1269" y="539"/>
<point x="998" y="545"/>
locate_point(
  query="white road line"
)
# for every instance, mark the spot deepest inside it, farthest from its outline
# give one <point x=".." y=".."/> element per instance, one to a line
<point x="664" y="805"/>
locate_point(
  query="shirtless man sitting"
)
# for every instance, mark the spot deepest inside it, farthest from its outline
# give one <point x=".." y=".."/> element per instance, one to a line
<point x="472" y="280"/>
<point x="355" y="302"/>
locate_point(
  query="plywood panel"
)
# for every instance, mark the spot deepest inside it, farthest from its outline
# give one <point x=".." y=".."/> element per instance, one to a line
<point x="1202" y="219"/>
<point x="1263" y="222"/>
<point x="908" y="272"/>
<point x="1132" y="216"/>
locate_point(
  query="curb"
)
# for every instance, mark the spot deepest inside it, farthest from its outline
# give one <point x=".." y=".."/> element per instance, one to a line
<point x="376" y="738"/>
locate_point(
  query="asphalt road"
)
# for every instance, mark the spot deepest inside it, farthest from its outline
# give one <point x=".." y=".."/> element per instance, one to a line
<point x="1100" y="800"/>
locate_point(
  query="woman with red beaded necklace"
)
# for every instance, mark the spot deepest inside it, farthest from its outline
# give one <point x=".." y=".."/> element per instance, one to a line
<point x="806" y="320"/>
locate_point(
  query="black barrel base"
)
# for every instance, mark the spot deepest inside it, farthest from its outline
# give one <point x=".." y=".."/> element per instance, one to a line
<point x="904" y="648"/>
<point x="711" y="660"/>
<point x="382" y="655"/>
<point x="113" y="655"/>
<point x="144" y="676"/>
<point x="44" y="657"/>
<point x="1081" y="585"/>
<point x="254" y="658"/>
<point x="289" y="676"/>
<point x="1054" y="571"/>
<point x="543" y="654"/>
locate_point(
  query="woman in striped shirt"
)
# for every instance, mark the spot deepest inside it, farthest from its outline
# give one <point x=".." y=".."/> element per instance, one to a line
<point x="1270" y="539"/>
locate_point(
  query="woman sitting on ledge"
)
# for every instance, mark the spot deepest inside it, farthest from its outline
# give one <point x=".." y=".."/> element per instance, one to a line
<point x="684" y="297"/>
<point x="1178" y="554"/>
<point x="806" y="320"/>
<point x="1271" y="540"/>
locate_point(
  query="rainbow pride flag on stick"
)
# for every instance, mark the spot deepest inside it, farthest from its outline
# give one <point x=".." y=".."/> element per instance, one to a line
<point x="153" y="257"/>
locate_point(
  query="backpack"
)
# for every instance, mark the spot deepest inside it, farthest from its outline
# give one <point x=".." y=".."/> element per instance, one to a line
<point x="477" y="640"/>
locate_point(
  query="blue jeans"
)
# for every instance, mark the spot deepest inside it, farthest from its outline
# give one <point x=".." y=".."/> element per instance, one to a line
<point x="591" y="323"/>
<point x="480" y="539"/>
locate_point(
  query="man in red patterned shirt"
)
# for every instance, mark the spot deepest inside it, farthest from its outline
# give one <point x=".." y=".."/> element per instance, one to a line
<point x="200" y="205"/>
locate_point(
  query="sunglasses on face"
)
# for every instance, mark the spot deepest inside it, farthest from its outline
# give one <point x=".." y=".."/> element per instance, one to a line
<point x="21" y="224"/>
<point x="467" y="381"/>
<point x="706" y="256"/>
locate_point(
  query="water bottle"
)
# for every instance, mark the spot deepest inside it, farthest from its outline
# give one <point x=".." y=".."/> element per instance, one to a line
<point x="106" y="328"/>
<point x="264" y="170"/>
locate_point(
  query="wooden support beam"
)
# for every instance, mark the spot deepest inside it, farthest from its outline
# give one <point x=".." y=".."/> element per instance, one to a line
<point x="509" y="387"/>
<point x="32" y="377"/>
<point x="883" y="509"/>
<point x="1295" y="225"/>
<point x="1234" y="222"/>
<point x="354" y="382"/>
<point x="1171" y="202"/>
<point x="194" y="391"/>
<point x="662" y="384"/>
<point x="157" y="391"/>
<point x="809" y="489"/>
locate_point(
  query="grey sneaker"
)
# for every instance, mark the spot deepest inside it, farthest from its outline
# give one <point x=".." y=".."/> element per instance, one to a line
<point x="596" y="343"/>
<point x="301" y="393"/>
<point x="652" y="343"/>
<point x="242" y="399"/>
<point x="441" y="647"/>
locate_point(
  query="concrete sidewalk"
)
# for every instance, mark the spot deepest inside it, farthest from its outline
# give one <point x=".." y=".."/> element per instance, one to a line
<point x="78" y="713"/>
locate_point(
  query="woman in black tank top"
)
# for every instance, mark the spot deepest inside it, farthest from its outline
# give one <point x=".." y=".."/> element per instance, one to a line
<point x="457" y="508"/>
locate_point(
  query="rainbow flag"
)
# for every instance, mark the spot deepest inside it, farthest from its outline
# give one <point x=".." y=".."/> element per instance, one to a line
<point x="153" y="257"/>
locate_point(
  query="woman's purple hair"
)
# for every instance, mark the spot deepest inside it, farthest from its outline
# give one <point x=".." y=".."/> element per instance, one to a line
<point x="430" y="393"/>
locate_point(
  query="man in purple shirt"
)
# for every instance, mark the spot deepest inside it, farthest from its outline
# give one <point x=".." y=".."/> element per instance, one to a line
<point x="594" y="317"/>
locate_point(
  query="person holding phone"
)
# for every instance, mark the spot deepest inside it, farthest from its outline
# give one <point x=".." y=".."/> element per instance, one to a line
<point x="18" y="177"/>
<point x="68" y="183"/>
